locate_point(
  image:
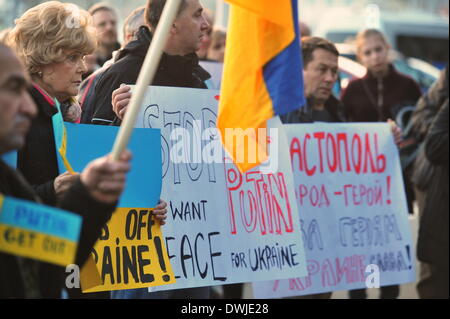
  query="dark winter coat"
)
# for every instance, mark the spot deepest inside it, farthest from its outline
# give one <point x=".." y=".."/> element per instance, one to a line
<point x="37" y="161"/>
<point x="433" y="242"/>
<point x="26" y="278"/>
<point x="362" y="96"/>
<point x="333" y="110"/>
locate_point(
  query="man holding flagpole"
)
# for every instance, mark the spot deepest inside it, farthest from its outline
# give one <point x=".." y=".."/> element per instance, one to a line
<point x="178" y="66"/>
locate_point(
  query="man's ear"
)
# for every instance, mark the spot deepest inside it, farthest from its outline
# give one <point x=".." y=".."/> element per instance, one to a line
<point x="174" y="29"/>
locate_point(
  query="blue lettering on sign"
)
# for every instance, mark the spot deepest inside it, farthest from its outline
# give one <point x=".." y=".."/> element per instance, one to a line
<point x="40" y="218"/>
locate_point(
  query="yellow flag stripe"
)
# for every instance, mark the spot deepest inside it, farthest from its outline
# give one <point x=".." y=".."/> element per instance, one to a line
<point x="34" y="245"/>
<point x="63" y="152"/>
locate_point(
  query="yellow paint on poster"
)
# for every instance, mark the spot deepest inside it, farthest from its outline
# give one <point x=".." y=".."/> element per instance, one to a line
<point x="90" y="276"/>
<point x="131" y="252"/>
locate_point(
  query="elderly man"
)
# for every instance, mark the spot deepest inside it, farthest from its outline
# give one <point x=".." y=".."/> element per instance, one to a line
<point x="93" y="195"/>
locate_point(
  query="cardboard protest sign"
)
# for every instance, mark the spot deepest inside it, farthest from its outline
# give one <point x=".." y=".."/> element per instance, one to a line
<point x="37" y="231"/>
<point x="131" y="252"/>
<point x="353" y="213"/>
<point x="223" y="226"/>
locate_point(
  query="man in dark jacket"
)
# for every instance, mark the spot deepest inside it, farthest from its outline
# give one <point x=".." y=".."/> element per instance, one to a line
<point x="93" y="196"/>
<point x="428" y="186"/>
<point x="433" y="242"/>
<point x="178" y="68"/>
<point x="320" y="69"/>
<point x="320" y="72"/>
<point x="179" y="63"/>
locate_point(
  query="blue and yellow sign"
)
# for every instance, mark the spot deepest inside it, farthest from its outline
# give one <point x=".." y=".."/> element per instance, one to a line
<point x="37" y="231"/>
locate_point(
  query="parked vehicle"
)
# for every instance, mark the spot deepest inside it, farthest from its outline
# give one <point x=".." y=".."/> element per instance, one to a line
<point x="418" y="35"/>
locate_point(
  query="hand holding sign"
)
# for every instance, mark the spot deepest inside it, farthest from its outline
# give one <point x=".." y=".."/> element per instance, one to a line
<point x="120" y="100"/>
<point x="146" y="75"/>
<point x="396" y="132"/>
<point x="105" y="179"/>
<point x="160" y="212"/>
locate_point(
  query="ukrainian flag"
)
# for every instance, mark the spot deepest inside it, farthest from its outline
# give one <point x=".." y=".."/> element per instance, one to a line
<point x="263" y="70"/>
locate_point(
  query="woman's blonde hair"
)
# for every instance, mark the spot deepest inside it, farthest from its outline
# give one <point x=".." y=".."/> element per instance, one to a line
<point x="44" y="32"/>
<point x="363" y="35"/>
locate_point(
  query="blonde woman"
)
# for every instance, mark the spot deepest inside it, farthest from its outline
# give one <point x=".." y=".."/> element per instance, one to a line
<point x="377" y="97"/>
<point x="51" y="39"/>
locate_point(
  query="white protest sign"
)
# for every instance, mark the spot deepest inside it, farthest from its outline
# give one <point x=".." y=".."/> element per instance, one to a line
<point x="352" y="205"/>
<point x="223" y="227"/>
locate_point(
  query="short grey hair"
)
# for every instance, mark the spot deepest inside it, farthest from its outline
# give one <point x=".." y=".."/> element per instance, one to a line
<point x="154" y="9"/>
<point x="133" y="21"/>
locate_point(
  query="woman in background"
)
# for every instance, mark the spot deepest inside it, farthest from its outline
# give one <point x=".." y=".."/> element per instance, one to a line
<point x="377" y="97"/>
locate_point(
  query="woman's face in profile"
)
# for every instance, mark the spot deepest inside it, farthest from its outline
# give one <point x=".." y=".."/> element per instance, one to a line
<point x="63" y="79"/>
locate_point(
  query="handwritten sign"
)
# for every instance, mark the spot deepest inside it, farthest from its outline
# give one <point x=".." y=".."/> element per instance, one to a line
<point x="353" y="213"/>
<point x="131" y="251"/>
<point x="223" y="226"/>
<point x="37" y="231"/>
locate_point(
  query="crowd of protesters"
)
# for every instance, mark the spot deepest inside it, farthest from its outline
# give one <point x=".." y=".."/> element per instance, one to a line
<point x="49" y="69"/>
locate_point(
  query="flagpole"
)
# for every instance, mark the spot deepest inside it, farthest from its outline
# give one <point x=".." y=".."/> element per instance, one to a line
<point x="219" y="20"/>
<point x="146" y="76"/>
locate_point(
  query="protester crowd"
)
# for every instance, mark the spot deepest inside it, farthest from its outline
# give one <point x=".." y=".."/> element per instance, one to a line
<point x="50" y="70"/>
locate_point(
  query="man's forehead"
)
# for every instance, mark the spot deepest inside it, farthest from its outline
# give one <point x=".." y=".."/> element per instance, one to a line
<point x="321" y="56"/>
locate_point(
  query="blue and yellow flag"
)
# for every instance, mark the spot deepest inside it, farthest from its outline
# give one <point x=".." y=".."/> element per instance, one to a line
<point x="262" y="76"/>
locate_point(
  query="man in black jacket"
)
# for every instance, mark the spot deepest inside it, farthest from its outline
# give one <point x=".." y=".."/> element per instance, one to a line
<point x="320" y="67"/>
<point x="178" y="66"/>
<point x="320" y="72"/>
<point x="93" y="196"/>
